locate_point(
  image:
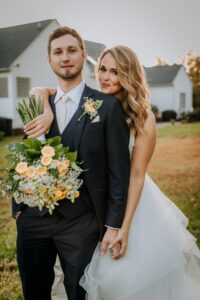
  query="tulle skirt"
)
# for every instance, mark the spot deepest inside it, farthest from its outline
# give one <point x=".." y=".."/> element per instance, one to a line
<point x="162" y="261"/>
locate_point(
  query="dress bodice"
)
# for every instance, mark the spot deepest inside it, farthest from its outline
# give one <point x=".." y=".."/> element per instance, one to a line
<point x="131" y="142"/>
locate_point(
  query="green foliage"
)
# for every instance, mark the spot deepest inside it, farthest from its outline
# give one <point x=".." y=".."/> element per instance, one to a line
<point x="179" y="130"/>
<point x="2" y="135"/>
<point x="54" y="141"/>
<point x="155" y="109"/>
<point x="33" y="144"/>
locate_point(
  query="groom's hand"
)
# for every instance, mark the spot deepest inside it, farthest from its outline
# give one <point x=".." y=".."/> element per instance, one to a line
<point x="108" y="240"/>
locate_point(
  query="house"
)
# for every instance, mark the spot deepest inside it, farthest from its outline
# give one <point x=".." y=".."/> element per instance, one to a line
<point x="23" y="64"/>
<point x="170" y="87"/>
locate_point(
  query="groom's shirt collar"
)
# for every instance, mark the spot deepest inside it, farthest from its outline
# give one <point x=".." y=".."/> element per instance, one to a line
<point x="74" y="94"/>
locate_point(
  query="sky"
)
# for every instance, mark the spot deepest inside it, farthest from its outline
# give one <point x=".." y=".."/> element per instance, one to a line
<point x="165" y="28"/>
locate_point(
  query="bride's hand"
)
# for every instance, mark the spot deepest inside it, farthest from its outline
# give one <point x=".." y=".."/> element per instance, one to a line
<point x="122" y="241"/>
<point x="39" y="125"/>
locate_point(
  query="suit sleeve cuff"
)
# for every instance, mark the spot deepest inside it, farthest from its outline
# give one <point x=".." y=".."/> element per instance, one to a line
<point x="111" y="227"/>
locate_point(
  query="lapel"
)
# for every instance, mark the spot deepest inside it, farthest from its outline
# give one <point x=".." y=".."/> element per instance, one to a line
<point x="54" y="126"/>
<point x="79" y="125"/>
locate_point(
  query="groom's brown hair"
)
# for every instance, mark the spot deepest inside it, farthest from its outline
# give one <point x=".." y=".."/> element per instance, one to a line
<point x="60" y="31"/>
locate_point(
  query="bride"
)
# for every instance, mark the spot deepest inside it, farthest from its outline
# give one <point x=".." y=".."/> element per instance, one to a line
<point x="154" y="257"/>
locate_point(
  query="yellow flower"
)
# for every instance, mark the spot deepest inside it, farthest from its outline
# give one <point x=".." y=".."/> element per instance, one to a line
<point x="46" y="160"/>
<point x="43" y="190"/>
<point x="28" y="192"/>
<point x="21" y="167"/>
<point x="23" y="175"/>
<point x="31" y="172"/>
<point x="66" y="162"/>
<point x="48" y="151"/>
<point x="89" y="107"/>
<point x="76" y="194"/>
<point x="41" y="171"/>
<point x="62" y="168"/>
<point x="62" y="173"/>
<point x="57" y="194"/>
<point x="64" y="193"/>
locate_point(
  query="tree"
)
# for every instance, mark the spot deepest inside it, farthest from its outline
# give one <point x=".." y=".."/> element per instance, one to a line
<point x="192" y="64"/>
<point x="160" y="61"/>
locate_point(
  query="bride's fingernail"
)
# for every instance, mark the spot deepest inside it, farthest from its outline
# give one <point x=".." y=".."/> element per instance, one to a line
<point x="109" y="246"/>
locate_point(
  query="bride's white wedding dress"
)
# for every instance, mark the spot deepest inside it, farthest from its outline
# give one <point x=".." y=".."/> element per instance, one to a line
<point x="162" y="261"/>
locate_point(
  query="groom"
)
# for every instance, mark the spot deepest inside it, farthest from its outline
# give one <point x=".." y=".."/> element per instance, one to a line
<point x="73" y="230"/>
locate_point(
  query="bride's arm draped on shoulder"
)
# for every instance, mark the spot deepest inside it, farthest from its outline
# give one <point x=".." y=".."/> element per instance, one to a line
<point x="42" y="123"/>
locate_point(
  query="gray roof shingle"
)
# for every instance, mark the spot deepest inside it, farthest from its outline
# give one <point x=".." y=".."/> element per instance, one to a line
<point x="14" y="40"/>
<point x="94" y="49"/>
<point x="161" y="74"/>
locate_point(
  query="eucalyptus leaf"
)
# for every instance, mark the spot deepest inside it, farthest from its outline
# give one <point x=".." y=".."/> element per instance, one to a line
<point x="72" y="156"/>
<point x="11" y="157"/>
<point x="54" y="141"/>
<point x="32" y="144"/>
<point x="20" y="147"/>
<point x="32" y="153"/>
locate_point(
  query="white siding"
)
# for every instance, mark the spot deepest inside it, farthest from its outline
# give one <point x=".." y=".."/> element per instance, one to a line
<point x="32" y="63"/>
<point x="6" y="104"/>
<point x="182" y="84"/>
<point x="167" y="97"/>
<point x="163" y="97"/>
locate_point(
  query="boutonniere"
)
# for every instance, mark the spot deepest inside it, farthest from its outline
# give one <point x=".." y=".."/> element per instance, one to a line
<point x="91" y="107"/>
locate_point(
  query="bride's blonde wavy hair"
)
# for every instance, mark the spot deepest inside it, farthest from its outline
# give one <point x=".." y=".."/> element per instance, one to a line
<point x="135" y="93"/>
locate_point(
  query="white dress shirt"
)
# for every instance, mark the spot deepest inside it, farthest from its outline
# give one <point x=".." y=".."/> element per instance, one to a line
<point x="72" y="104"/>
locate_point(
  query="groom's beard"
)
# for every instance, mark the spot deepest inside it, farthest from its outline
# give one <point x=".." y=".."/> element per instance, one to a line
<point x="68" y="75"/>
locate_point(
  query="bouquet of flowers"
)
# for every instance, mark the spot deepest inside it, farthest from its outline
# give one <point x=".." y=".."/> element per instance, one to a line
<point x="40" y="172"/>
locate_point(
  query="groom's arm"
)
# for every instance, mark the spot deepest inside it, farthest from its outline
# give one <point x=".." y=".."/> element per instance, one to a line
<point x="117" y="139"/>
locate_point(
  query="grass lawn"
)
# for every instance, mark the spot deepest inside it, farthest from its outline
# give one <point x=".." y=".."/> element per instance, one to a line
<point x="175" y="167"/>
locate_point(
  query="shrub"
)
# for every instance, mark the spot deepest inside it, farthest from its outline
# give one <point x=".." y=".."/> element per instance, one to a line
<point x="2" y="134"/>
<point x="168" y="115"/>
<point x="154" y="108"/>
<point x="194" y="116"/>
<point x="156" y="112"/>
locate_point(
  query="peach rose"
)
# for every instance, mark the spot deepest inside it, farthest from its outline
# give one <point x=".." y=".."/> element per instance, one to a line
<point x="46" y="160"/>
<point x="66" y="162"/>
<point x="89" y="107"/>
<point x="41" y="171"/>
<point x="31" y="172"/>
<point x="23" y="175"/>
<point x="48" y="151"/>
<point x="21" y="167"/>
<point x="57" y="194"/>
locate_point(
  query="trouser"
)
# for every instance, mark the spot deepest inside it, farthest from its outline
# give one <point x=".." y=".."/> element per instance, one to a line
<point x="39" y="241"/>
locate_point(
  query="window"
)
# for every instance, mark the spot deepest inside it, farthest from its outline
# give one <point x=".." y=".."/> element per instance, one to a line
<point x="3" y="87"/>
<point x="23" y="86"/>
<point x="182" y="101"/>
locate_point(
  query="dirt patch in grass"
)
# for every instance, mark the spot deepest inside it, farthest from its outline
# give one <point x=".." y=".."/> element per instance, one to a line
<point x="176" y="164"/>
